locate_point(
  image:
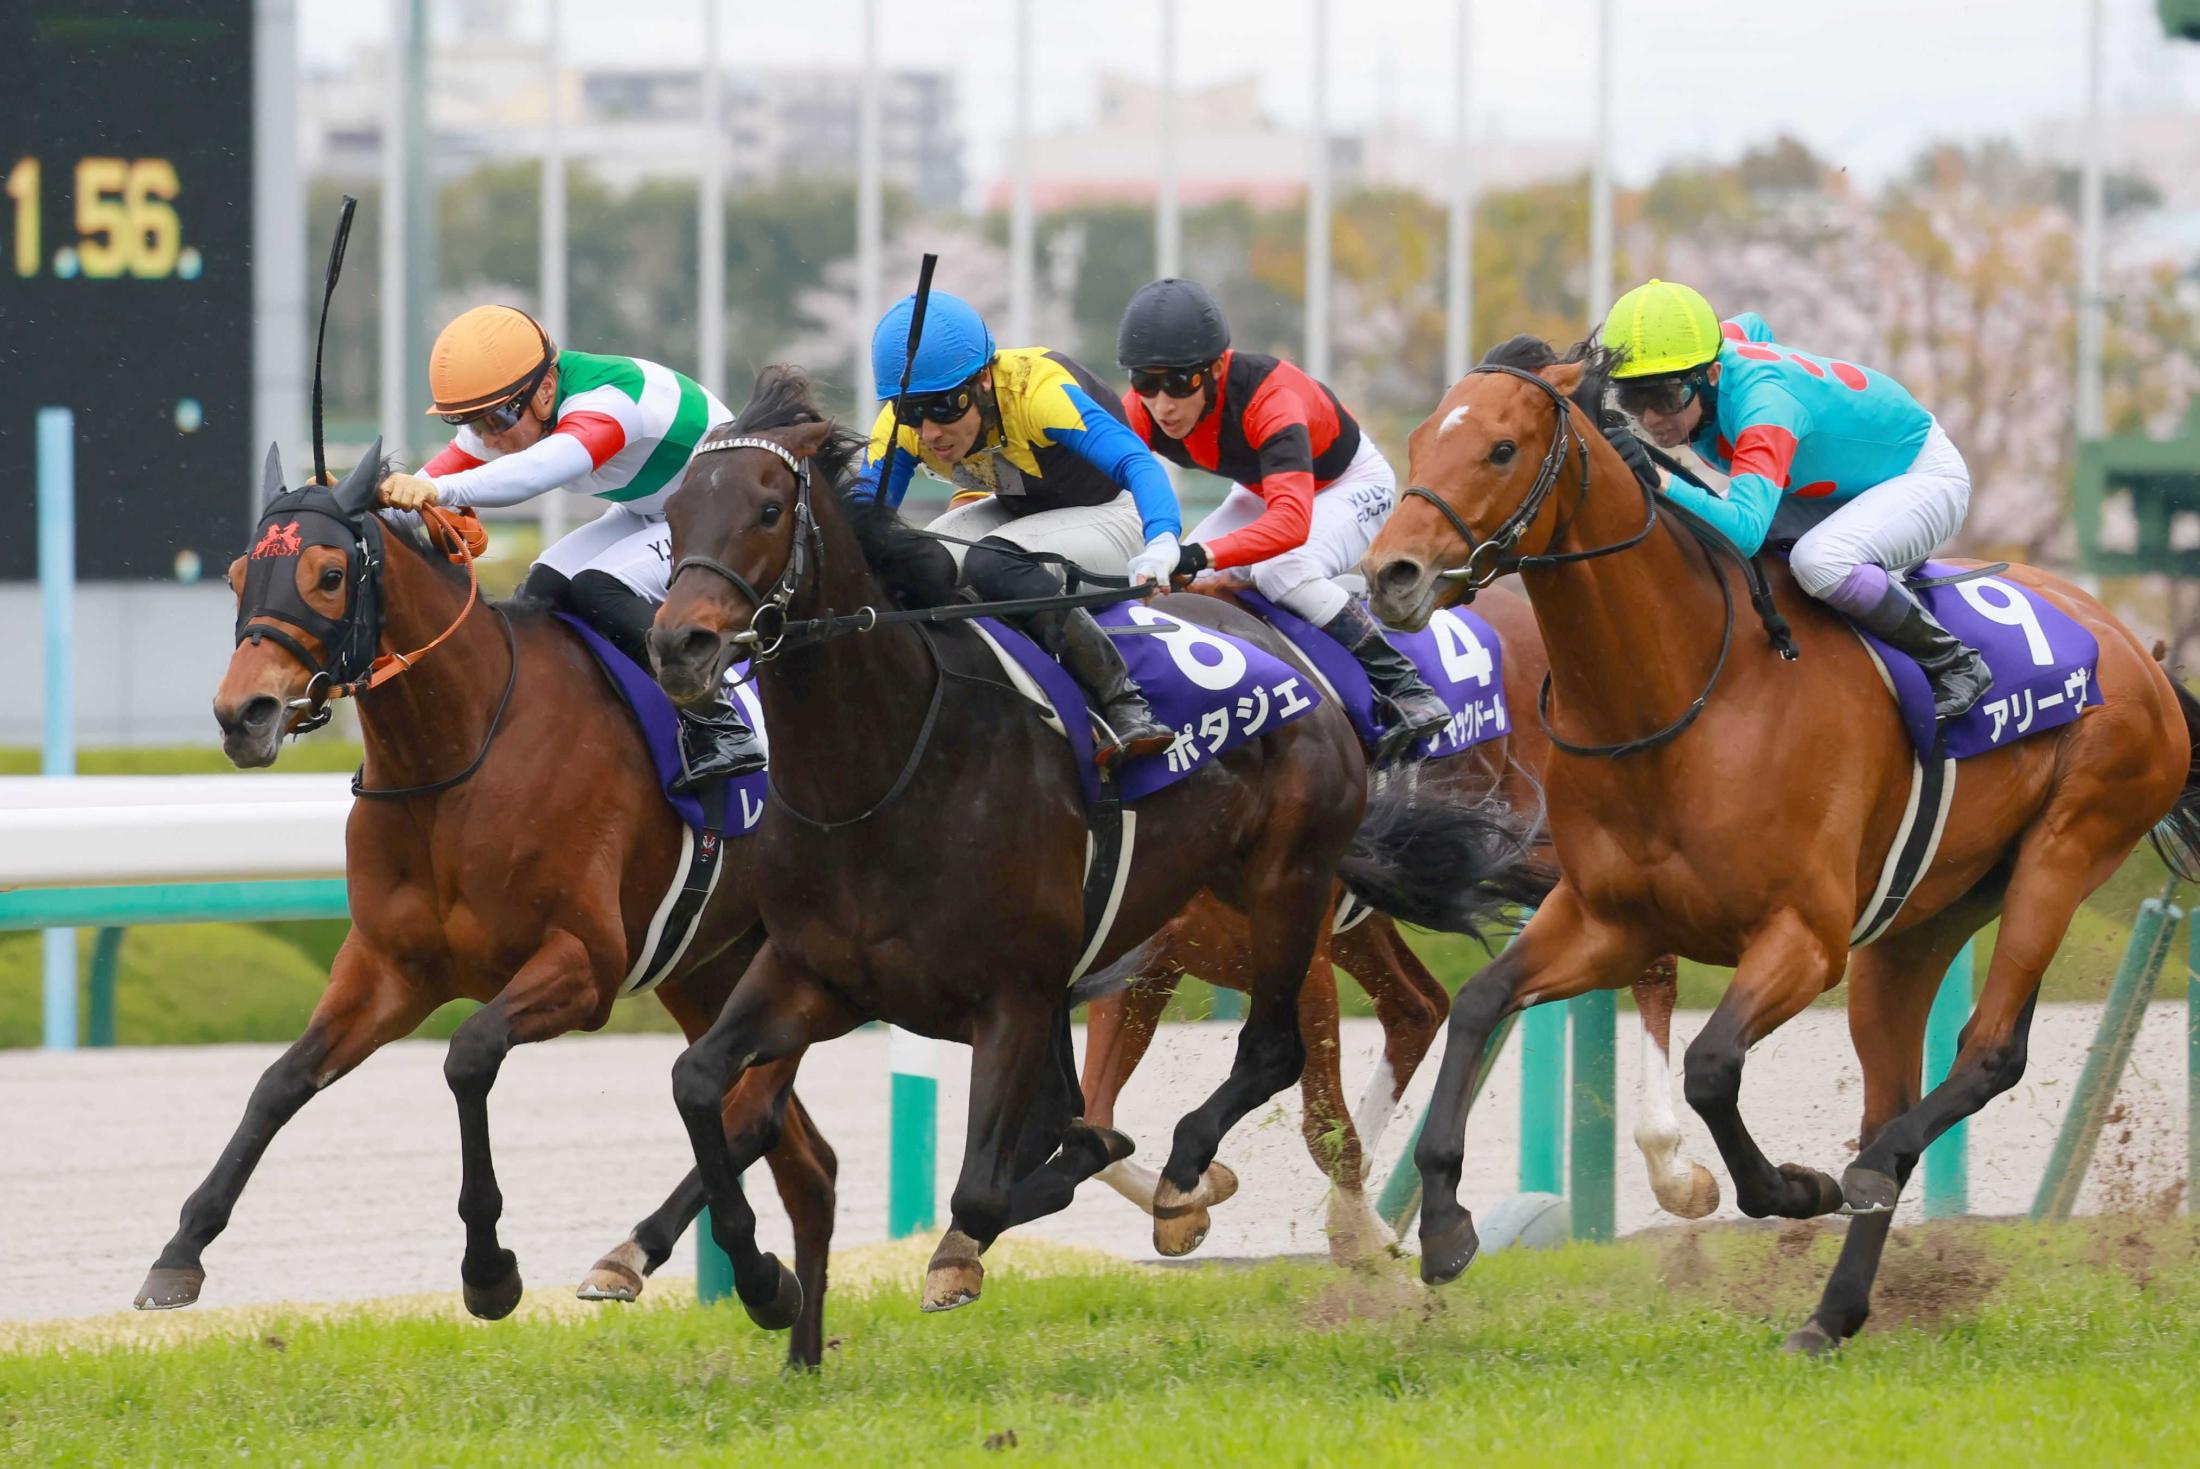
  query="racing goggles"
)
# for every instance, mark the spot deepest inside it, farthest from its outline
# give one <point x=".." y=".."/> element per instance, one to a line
<point x="1168" y="382"/>
<point x="947" y="407"/>
<point x="1664" y="396"/>
<point x="496" y="420"/>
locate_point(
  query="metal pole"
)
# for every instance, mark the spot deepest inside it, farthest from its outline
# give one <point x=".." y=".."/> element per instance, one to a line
<point x="713" y="1266"/>
<point x="1022" y="262"/>
<point x="1317" y="206"/>
<point x="710" y="294"/>
<point x="2091" y="417"/>
<point x="913" y="1131"/>
<point x="2121" y="1017"/>
<point x="420" y="253"/>
<point x="1543" y="1099"/>
<point x="1168" y="221"/>
<point x="99" y="1016"/>
<point x="870" y="247"/>
<point x="1948" y="1160"/>
<point x="550" y="230"/>
<point x="1600" y="175"/>
<point x="395" y="125"/>
<point x="279" y="325"/>
<point x="1595" y="1126"/>
<point x="57" y="614"/>
<point x="1459" y="237"/>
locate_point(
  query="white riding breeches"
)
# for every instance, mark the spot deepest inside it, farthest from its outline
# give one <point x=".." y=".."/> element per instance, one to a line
<point x="1895" y="524"/>
<point x="1100" y="538"/>
<point x="1348" y="511"/>
<point x="635" y="548"/>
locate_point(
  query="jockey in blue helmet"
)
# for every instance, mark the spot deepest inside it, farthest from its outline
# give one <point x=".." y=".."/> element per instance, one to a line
<point x="1041" y="460"/>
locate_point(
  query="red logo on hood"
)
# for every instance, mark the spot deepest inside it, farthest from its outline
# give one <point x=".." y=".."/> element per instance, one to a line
<point x="280" y="540"/>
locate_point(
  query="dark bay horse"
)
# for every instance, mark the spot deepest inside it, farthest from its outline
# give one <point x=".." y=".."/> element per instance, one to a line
<point x="527" y="884"/>
<point x="1754" y="836"/>
<point x="922" y="858"/>
<point x="1209" y="939"/>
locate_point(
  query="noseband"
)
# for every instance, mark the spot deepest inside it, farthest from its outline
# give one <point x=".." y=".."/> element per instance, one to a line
<point x="1487" y="560"/>
<point x="768" y="642"/>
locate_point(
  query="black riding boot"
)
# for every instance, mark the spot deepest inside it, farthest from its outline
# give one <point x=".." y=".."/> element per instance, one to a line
<point x="1090" y="656"/>
<point x="1959" y="676"/>
<point x="1417" y="707"/>
<point x="715" y="740"/>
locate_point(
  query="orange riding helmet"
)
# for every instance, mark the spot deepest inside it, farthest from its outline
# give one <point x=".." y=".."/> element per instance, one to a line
<point x="485" y="358"/>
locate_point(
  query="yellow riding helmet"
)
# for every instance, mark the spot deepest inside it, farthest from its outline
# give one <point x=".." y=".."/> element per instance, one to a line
<point x="1661" y="327"/>
<point x="485" y="357"/>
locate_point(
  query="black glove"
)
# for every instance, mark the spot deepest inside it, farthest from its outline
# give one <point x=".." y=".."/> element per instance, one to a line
<point x="1192" y="559"/>
<point x="1621" y="437"/>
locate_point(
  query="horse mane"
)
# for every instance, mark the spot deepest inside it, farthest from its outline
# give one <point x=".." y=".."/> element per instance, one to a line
<point x="917" y="570"/>
<point x="1531" y="353"/>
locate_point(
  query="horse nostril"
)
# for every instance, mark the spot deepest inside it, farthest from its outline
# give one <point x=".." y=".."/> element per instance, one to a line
<point x="1398" y="576"/>
<point x="698" y="646"/>
<point x="251" y="717"/>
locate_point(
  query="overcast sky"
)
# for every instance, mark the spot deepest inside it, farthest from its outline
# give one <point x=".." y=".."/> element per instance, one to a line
<point x="1864" y="82"/>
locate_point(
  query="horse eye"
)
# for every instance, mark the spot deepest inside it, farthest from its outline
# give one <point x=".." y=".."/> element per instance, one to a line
<point x="770" y="513"/>
<point x="331" y="578"/>
<point x="1503" y="452"/>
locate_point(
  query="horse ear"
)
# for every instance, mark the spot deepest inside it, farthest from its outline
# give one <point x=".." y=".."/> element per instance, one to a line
<point x="805" y="439"/>
<point x="356" y="493"/>
<point x="1564" y="376"/>
<point x="271" y="475"/>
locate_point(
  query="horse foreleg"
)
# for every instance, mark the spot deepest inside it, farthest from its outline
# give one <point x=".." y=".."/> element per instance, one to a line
<point x="555" y="991"/>
<point x="1562" y="952"/>
<point x="1011" y="1057"/>
<point x="1786" y="966"/>
<point x="1059" y="1149"/>
<point x="367" y="1004"/>
<point x="1689" y="1191"/>
<point x="1331" y="1134"/>
<point x="775" y="1011"/>
<point x="1890" y="996"/>
<point x="1118" y="1031"/>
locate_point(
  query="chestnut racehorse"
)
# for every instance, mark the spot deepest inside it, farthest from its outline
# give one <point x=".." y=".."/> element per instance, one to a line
<point x="523" y="872"/>
<point x="1753" y="835"/>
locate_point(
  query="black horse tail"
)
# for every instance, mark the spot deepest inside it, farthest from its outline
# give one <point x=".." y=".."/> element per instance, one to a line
<point x="2176" y="837"/>
<point x="1436" y="860"/>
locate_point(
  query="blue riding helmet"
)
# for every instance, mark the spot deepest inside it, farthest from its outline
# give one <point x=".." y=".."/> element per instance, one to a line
<point x="955" y="345"/>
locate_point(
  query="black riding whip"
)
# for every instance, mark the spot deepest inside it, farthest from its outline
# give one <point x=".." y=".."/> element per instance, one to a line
<point x="320" y="340"/>
<point x="908" y="363"/>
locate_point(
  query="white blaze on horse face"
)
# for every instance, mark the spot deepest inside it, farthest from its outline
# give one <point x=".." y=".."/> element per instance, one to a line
<point x="1453" y="419"/>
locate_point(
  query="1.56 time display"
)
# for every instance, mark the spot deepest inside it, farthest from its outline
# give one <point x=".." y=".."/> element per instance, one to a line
<point x="126" y="148"/>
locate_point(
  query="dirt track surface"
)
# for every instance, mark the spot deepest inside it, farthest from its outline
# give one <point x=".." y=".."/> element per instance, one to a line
<point x="357" y="1197"/>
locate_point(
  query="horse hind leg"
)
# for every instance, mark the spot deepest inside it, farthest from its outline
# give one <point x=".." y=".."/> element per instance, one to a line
<point x="367" y="1005"/>
<point x="1687" y="1190"/>
<point x="554" y="991"/>
<point x="1118" y="1031"/>
<point x="1332" y="1134"/>
<point x="1410" y="1005"/>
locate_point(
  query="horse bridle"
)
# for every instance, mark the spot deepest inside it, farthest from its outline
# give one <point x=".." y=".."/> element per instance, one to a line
<point x="768" y="643"/>
<point x="1566" y="442"/>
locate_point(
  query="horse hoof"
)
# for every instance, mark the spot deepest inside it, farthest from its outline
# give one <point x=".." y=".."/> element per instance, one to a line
<point x="1810" y="1340"/>
<point x="1446" y="1253"/>
<point x="1113" y="1146"/>
<point x="1181" y="1220"/>
<point x="778" y="1313"/>
<point x="167" y="1287"/>
<point x="618" y="1276"/>
<point x="1867" y="1191"/>
<point x="1217" y="1185"/>
<point x="1180" y="1233"/>
<point x="1703" y="1195"/>
<point x="496" y="1301"/>
<point x="1824" y="1195"/>
<point x="956" y="1276"/>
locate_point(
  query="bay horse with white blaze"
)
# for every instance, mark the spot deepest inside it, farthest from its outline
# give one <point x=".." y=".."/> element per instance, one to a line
<point x="922" y="857"/>
<point x="1753" y="835"/>
<point x="511" y="846"/>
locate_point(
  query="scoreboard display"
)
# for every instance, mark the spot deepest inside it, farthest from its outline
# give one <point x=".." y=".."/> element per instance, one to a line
<point x="126" y="277"/>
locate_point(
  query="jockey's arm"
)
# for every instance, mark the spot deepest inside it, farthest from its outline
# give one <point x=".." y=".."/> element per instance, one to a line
<point x="1099" y="438"/>
<point x="1275" y="422"/>
<point x="577" y="446"/>
<point x="1764" y="455"/>
<point x="865" y="484"/>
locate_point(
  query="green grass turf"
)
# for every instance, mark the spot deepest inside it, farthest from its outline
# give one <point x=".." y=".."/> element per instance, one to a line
<point x="1994" y="1344"/>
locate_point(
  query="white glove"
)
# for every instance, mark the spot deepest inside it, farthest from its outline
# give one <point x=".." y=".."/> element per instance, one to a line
<point x="1157" y="562"/>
